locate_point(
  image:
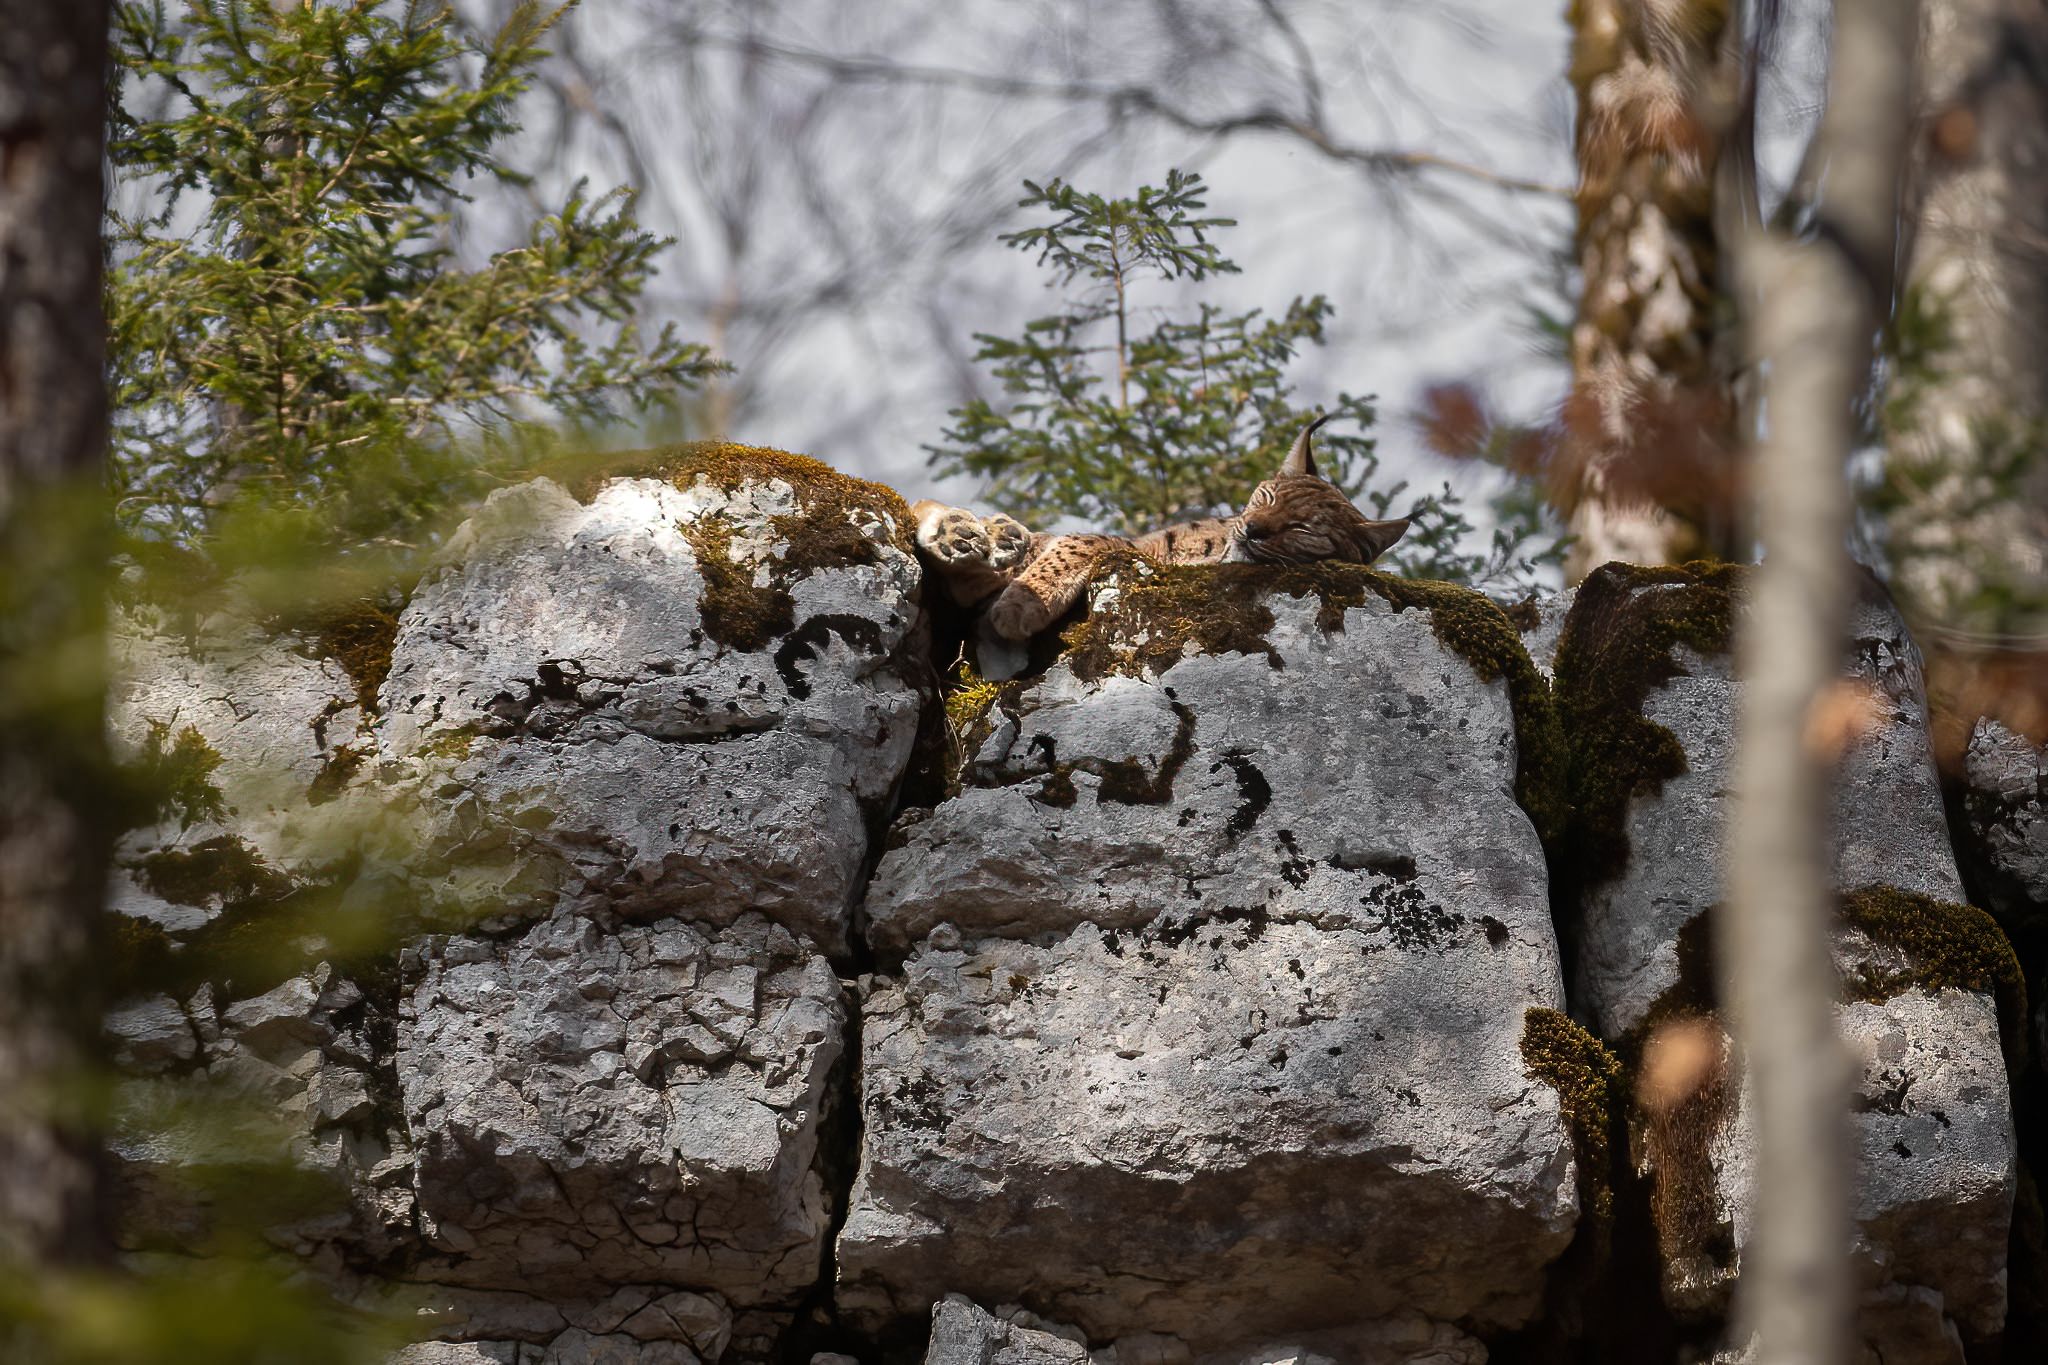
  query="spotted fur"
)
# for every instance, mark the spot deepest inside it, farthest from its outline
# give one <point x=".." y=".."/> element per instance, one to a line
<point x="1295" y="517"/>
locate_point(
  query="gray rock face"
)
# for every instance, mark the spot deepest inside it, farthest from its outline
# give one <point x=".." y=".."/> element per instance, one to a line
<point x="1365" y="782"/>
<point x="596" y="1104"/>
<point x="276" y="724"/>
<point x="2005" y="834"/>
<point x="630" y="752"/>
<point x="576" y="724"/>
<point x="965" y="1334"/>
<point x="1196" y="950"/>
<point x="1890" y="826"/>
<point x="1933" y="1125"/>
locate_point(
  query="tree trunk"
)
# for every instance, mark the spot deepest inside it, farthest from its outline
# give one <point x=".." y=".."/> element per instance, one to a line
<point x="1649" y="427"/>
<point x="1968" y="539"/>
<point x="53" y="548"/>
<point x="1814" y="307"/>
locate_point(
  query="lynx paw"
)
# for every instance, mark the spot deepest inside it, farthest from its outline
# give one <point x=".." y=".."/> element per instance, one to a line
<point x="1008" y="540"/>
<point x="1019" y="613"/>
<point x="954" y="535"/>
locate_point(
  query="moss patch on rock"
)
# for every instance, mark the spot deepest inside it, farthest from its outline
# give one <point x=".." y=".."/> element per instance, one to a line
<point x="1947" y="947"/>
<point x="1588" y="1080"/>
<point x="833" y="527"/>
<point x="1617" y="646"/>
<point x="734" y="610"/>
<point x="359" y="636"/>
<point x="824" y="532"/>
<point x="172" y="776"/>
<point x="968" y="699"/>
<point x="1161" y="610"/>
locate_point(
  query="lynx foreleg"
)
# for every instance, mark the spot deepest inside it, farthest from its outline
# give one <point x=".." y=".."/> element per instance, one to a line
<point x="1048" y="585"/>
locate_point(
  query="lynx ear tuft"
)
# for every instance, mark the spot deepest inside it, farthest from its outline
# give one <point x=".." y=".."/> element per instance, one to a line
<point x="1300" y="460"/>
<point x="1375" y="538"/>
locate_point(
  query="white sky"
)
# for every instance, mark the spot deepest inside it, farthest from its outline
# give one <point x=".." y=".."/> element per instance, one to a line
<point x="1432" y="276"/>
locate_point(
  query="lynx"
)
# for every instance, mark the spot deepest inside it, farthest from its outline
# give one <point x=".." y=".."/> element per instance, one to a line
<point x="1295" y="517"/>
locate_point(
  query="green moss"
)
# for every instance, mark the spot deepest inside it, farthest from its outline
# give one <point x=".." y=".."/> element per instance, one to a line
<point x="736" y="612"/>
<point x="1588" y="1081"/>
<point x="174" y="778"/>
<point x="1222" y="608"/>
<point x="359" y="636"/>
<point x="1618" y="646"/>
<point x="1947" y="947"/>
<point x="968" y="699"/>
<point x="217" y="871"/>
<point x="452" y="744"/>
<point x="825" y="530"/>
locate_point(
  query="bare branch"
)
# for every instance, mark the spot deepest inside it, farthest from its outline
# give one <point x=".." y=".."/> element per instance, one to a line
<point x="1125" y="99"/>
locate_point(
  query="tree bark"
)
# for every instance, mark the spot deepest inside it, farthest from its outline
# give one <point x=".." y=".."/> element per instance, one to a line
<point x="1649" y="427"/>
<point x="53" y="548"/>
<point x="1969" y="546"/>
<point x="1816" y="305"/>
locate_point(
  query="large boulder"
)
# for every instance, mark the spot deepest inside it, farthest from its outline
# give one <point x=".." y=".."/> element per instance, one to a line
<point x="2004" y="833"/>
<point x="690" y="695"/>
<point x="1649" y="695"/>
<point x="1219" y="967"/>
<point x="530" y="952"/>
<point x="596" y="1104"/>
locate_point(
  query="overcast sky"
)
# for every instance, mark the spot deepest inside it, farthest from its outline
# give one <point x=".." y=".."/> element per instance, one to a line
<point x="836" y="225"/>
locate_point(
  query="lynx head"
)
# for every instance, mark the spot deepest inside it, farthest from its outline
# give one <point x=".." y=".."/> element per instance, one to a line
<point x="1298" y="516"/>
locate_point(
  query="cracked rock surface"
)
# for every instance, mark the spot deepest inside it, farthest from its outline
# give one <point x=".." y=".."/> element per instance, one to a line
<point x="633" y="757"/>
<point x="1195" y="951"/>
<point x="1933" y="1126"/>
<point x="617" y="802"/>
<point x="595" y="1103"/>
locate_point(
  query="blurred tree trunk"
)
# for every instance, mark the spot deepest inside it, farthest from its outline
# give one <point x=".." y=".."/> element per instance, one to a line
<point x="1968" y="508"/>
<point x="1650" y="425"/>
<point x="53" y="432"/>
<point x="1813" y="306"/>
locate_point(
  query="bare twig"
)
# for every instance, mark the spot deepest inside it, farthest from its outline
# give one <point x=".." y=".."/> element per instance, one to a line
<point x="1126" y="99"/>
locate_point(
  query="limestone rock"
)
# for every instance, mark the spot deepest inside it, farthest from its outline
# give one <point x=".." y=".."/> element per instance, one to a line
<point x="151" y="1035"/>
<point x="602" y="830"/>
<point x="662" y="700"/>
<point x="263" y="727"/>
<point x="1891" y="828"/>
<point x="1933" y="1126"/>
<point x="966" y="1334"/>
<point x="2005" y="827"/>
<point x="1210" y="937"/>
<point x="602" y="1103"/>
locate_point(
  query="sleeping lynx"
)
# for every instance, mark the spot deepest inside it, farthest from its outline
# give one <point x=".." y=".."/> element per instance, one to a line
<point x="1295" y="517"/>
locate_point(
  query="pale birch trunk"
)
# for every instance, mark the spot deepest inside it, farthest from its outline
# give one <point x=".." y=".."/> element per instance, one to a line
<point x="1814" y="309"/>
<point x="1651" y="417"/>
<point x="1969" y="546"/>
